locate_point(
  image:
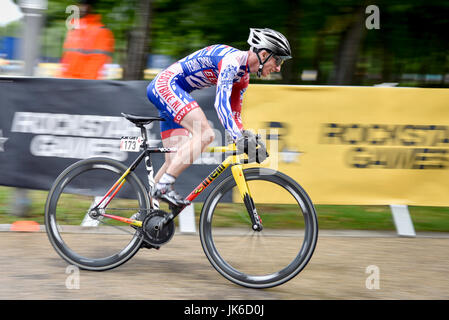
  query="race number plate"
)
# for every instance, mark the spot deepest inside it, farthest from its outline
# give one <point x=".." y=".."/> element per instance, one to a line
<point x="130" y="144"/>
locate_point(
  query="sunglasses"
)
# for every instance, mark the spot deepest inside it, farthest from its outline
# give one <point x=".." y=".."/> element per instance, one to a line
<point x="279" y="60"/>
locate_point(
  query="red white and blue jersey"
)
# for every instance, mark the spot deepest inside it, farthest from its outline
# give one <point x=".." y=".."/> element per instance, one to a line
<point x="219" y="65"/>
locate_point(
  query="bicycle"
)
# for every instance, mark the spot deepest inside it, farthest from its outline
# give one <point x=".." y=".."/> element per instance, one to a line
<point x="92" y="192"/>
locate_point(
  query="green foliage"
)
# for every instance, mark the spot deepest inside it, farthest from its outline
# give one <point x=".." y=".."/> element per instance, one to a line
<point x="413" y="35"/>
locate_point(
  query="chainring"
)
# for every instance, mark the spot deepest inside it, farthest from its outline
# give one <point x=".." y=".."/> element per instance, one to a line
<point x="155" y="233"/>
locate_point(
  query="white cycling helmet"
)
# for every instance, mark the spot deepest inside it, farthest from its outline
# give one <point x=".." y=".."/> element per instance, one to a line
<point x="272" y="41"/>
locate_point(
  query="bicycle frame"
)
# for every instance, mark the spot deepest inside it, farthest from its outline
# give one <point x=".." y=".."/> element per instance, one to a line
<point x="233" y="160"/>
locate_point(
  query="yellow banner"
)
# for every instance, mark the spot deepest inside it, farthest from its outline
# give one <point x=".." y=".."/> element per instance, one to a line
<point x="357" y="145"/>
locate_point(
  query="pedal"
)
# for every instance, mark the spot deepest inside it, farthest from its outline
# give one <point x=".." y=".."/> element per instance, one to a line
<point x="174" y="203"/>
<point x="149" y="246"/>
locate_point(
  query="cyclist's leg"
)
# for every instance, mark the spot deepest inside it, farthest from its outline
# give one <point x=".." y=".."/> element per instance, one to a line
<point x="173" y="136"/>
<point x="180" y="111"/>
<point x="188" y="150"/>
<point x="196" y="123"/>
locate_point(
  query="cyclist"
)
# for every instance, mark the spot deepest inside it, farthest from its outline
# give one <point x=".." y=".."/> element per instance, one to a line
<point x="228" y="69"/>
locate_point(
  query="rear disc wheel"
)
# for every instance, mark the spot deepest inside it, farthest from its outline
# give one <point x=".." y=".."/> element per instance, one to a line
<point x="82" y="236"/>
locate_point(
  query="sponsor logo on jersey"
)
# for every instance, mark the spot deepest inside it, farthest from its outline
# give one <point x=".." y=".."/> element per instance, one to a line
<point x="210" y="75"/>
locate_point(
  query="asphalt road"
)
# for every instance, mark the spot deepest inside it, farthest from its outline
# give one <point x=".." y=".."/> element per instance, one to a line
<point x="344" y="266"/>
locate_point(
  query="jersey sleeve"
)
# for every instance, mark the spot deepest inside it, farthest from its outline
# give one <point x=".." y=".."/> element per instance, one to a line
<point x="225" y="82"/>
<point x="238" y="90"/>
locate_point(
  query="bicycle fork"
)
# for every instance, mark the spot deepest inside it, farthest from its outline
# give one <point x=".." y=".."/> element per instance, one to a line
<point x="237" y="172"/>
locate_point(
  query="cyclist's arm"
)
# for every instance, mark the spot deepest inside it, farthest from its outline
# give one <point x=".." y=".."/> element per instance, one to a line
<point x="238" y="90"/>
<point x="228" y="70"/>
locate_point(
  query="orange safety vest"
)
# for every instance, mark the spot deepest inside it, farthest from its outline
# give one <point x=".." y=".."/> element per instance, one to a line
<point x="87" y="49"/>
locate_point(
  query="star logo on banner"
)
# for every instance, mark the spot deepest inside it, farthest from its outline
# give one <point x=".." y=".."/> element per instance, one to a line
<point x="2" y="141"/>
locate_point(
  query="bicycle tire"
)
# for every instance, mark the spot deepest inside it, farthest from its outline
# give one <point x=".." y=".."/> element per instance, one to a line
<point x="215" y="255"/>
<point x="53" y="229"/>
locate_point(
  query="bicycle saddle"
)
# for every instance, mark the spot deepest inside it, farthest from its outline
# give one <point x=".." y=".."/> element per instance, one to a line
<point x="141" y="120"/>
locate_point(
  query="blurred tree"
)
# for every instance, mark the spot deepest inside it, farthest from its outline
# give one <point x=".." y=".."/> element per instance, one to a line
<point x="290" y="70"/>
<point x="348" y="49"/>
<point x="138" y="42"/>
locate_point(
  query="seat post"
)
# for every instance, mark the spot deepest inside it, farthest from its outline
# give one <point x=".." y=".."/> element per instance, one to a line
<point x="143" y="131"/>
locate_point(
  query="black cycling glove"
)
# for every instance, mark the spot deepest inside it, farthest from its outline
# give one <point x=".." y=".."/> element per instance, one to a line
<point x="253" y="146"/>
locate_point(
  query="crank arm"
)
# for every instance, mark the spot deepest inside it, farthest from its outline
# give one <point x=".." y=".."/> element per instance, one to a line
<point x="174" y="212"/>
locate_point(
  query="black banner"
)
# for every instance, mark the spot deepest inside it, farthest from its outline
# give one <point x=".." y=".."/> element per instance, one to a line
<point x="48" y="124"/>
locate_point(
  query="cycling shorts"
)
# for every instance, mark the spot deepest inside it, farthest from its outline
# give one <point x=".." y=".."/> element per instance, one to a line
<point x="172" y="101"/>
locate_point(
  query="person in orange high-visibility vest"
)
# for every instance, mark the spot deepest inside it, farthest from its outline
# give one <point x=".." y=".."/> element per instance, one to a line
<point x="88" y="46"/>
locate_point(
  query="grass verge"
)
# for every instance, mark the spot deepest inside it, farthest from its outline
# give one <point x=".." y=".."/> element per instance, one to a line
<point x="331" y="217"/>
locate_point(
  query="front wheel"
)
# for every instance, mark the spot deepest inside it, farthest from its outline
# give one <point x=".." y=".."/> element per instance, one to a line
<point x="266" y="258"/>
